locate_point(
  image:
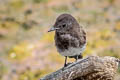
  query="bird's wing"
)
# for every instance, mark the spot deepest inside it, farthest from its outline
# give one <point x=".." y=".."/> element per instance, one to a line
<point x="80" y="34"/>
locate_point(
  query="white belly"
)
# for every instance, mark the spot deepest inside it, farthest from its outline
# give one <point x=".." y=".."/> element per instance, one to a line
<point x="72" y="51"/>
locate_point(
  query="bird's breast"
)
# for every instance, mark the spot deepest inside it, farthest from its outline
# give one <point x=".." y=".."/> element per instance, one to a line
<point x="68" y="45"/>
<point x="72" y="51"/>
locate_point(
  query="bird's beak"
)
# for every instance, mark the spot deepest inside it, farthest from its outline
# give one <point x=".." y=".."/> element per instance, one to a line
<point x="52" y="29"/>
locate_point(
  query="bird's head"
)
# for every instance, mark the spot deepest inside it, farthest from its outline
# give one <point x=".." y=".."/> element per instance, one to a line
<point x="63" y="23"/>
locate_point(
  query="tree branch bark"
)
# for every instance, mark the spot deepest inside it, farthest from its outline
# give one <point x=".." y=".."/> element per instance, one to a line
<point x="91" y="68"/>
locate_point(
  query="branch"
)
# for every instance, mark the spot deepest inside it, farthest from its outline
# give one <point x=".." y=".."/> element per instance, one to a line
<point x="91" y="68"/>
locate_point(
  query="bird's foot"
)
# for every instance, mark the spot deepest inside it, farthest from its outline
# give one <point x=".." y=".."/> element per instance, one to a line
<point x="78" y="57"/>
<point x="67" y="64"/>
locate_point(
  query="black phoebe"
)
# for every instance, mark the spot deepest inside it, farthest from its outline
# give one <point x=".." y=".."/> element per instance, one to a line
<point x="70" y="37"/>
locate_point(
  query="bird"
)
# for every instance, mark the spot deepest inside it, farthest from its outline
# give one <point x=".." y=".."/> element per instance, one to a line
<point x="70" y="37"/>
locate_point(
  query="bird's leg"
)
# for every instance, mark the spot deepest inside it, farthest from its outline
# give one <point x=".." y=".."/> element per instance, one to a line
<point x="80" y="57"/>
<point x="76" y="58"/>
<point x="65" y="64"/>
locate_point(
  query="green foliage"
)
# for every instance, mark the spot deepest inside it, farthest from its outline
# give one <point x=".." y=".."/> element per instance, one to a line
<point x="21" y="51"/>
<point x="40" y="1"/>
<point x="17" y="4"/>
<point x="62" y="8"/>
<point x="119" y="69"/>
<point x="27" y="75"/>
<point x="47" y="37"/>
<point x="33" y="75"/>
<point x="117" y="26"/>
<point x="89" y="49"/>
<point x="3" y="70"/>
<point x="111" y="1"/>
<point x="54" y="57"/>
<point x="110" y="52"/>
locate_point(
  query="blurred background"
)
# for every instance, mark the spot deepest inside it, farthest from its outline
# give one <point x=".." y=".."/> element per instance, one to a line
<point x="27" y="50"/>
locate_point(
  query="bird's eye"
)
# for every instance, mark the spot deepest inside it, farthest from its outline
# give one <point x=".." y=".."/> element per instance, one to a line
<point x="64" y="25"/>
